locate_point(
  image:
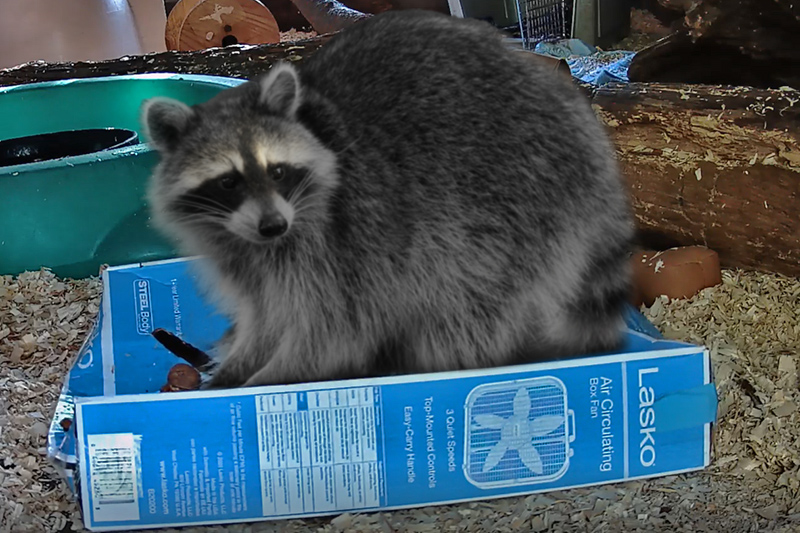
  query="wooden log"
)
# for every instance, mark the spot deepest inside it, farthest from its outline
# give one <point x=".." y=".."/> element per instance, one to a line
<point x="379" y="6"/>
<point x="680" y="6"/>
<point x="287" y="15"/>
<point x="200" y="24"/>
<point x="706" y="165"/>
<point x="235" y="62"/>
<point x="713" y="166"/>
<point x="328" y="16"/>
<point x="728" y="42"/>
<point x="670" y="14"/>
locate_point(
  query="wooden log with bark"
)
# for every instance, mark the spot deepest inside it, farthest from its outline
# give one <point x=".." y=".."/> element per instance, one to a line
<point x="728" y="42"/>
<point x="679" y="6"/>
<point x="240" y="61"/>
<point x="711" y="165"/>
<point x="328" y="16"/>
<point x="287" y="15"/>
<point x="706" y="165"/>
<point x="379" y="6"/>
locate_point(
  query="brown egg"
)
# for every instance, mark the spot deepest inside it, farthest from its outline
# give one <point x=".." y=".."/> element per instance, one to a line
<point x="676" y="273"/>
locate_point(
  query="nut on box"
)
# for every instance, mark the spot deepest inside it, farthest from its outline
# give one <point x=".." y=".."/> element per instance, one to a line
<point x="676" y="273"/>
<point x="182" y="377"/>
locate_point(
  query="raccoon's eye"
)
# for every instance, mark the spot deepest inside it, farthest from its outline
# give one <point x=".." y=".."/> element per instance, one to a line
<point x="277" y="172"/>
<point x="229" y="181"/>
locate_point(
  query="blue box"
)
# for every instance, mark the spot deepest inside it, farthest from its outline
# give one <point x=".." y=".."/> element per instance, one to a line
<point x="142" y="459"/>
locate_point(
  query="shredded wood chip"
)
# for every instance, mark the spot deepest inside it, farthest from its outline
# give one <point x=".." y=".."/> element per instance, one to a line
<point x="751" y="324"/>
<point x="295" y="35"/>
<point x="43" y="321"/>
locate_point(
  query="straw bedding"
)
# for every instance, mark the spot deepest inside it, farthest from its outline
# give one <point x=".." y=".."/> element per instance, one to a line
<point x="751" y="323"/>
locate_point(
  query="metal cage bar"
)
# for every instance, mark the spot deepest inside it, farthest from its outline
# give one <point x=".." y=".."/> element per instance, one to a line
<point x="544" y="20"/>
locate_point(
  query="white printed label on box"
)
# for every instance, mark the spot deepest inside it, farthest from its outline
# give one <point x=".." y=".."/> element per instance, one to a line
<point x="318" y="451"/>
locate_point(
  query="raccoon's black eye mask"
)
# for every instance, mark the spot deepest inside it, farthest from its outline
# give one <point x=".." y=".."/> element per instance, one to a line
<point x="292" y="182"/>
<point x="286" y="176"/>
<point x="230" y="181"/>
<point x="277" y="172"/>
<point x="219" y="196"/>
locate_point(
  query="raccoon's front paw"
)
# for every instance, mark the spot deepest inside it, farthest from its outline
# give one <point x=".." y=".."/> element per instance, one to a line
<point x="222" y="347"/>
<point x="222" y="378"/>
<point x="226" y="341"/>
<point x="277" y="372"/>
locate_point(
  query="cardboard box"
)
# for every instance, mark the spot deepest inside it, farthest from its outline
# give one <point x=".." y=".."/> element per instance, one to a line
<point x="142" y="459"/>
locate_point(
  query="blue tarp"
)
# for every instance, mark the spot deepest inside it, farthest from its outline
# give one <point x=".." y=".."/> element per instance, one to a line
<point x="587" y="63"/>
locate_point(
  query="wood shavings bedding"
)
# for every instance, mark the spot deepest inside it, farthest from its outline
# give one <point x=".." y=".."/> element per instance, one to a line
<point x="751" y="323"/>
<point x="295" y="35"/>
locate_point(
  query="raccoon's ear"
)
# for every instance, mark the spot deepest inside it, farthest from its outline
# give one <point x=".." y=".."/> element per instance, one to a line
<point x="164" y="121"/>
<point x="280" y="90"/>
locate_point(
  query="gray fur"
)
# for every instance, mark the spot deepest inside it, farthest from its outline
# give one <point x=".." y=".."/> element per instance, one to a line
<point x="462" y="208"/>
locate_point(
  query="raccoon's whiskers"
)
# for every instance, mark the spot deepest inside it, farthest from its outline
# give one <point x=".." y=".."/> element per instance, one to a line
<point x="304" y="184"/>
<point x="306" y="203"/>
<point x="348" y="147"/>
<point x="202" y="201"/>
<point x="199" y="218"/>
<point x="204" y="208"/>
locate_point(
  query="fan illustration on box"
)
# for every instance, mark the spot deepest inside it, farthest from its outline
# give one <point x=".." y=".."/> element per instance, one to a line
<point x="518" y="433"/>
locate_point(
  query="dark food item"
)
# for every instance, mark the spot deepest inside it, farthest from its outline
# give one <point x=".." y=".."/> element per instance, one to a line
<point x="194" y="356"/>
<point x="66" y="424"/>
<point x="182" y="377"/>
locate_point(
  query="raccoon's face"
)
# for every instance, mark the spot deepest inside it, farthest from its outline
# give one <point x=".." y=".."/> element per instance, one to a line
<point x="239" y="166"/>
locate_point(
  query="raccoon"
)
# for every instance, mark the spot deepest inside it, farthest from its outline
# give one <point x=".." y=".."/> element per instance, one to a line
<point x="414" y="197"/>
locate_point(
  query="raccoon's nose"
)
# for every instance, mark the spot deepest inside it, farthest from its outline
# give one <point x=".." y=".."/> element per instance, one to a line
<point x="272" y="226"/>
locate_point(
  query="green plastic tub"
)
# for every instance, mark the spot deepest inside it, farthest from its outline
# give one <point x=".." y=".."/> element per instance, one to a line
<point x="73" y="214"/>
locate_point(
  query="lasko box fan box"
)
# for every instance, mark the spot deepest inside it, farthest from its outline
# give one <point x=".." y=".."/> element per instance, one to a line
<point x="139" y="458"/>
